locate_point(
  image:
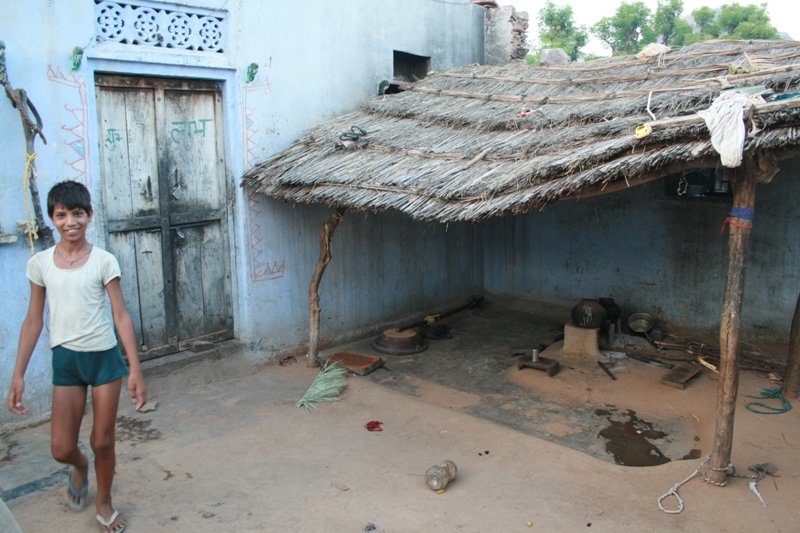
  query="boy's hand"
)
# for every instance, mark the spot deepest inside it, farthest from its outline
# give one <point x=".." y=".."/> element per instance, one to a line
<point x="137" y="389"/>
<point x="15" y="397"/>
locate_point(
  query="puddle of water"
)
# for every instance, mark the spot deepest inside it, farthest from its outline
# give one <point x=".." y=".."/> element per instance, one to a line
<point x="8" y="455"/>
<point x="135" y="430"/>
<point x="694" y="453"/>
<point x="628" y="440"/>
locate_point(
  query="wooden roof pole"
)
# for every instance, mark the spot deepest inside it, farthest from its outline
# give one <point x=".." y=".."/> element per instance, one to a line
<point x="325" y="235"/>
<point x="743" y="182"/>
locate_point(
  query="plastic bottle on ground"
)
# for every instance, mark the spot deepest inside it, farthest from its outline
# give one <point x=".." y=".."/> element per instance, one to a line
<point x="438" y="476"/>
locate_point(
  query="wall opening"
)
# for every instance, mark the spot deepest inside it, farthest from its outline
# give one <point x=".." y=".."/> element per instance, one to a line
<point x="698" y="183"/>
<point x="408" y="68"/>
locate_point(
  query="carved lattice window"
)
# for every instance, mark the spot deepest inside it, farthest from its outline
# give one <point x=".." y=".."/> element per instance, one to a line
<point x="145" y="23"/>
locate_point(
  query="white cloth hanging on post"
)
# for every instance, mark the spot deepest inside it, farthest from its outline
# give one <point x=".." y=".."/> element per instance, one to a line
<point x="725" y="121"/>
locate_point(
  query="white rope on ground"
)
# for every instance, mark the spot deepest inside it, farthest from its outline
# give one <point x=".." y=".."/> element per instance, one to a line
<point x="674" y="492"/>
<point x="760" y="470"/>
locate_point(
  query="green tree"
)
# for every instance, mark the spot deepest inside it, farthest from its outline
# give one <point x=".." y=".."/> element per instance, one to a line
<point x="668" y="24"/>
<point x="746" y="22"/>
<point x="705" y="20"/>
<point x="557" y="29"/>
<point x="624" y="32"/>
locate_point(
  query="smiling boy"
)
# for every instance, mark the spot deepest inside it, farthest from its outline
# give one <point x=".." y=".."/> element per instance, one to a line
<point x="76" y="277"/>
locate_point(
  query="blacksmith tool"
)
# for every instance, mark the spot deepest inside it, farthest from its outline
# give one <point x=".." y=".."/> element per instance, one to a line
<point x="606" y="370"/>
<point x="550" y="366"/>
<point x="648" y="360"/>
<point x="405" y="341"/>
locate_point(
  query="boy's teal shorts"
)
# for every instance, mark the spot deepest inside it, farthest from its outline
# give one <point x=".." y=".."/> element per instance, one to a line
<point x="71" y="368"/>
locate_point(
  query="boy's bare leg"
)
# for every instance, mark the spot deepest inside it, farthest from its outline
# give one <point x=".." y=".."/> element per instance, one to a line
<point x="105" y="401"/>
<point x="65" y="425"/>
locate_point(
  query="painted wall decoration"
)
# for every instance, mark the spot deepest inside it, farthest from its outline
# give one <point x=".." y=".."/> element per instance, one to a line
<point x="77" y="129"/>
<point x="262" y="268"/>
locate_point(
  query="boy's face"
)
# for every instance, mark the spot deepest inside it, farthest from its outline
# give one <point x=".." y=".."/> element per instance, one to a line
<point x="71" y="223"/>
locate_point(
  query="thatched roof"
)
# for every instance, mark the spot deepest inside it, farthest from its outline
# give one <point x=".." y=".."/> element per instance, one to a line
<point x="485" y="140"/>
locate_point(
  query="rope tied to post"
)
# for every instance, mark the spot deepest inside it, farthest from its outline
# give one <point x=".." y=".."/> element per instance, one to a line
<point x="738" y="212"/>
<point x="30" y="220"/>
<point x="760" y="470"/>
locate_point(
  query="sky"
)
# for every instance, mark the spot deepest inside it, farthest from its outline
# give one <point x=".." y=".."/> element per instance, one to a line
<point x="784" y="14"/>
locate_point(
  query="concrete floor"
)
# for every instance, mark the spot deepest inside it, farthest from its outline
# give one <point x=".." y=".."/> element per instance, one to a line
<point x="228" y="450"/>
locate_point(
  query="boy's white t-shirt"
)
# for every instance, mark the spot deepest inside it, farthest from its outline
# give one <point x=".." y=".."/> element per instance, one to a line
<point x="76" y="298"/>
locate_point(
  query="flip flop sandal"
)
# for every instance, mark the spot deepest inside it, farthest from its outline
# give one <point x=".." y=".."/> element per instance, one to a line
<point x="76" y="499"/>
<point x="110" y="522"/>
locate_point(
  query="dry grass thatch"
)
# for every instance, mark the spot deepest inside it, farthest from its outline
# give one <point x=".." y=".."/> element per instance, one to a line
<point x="486" y="140"/>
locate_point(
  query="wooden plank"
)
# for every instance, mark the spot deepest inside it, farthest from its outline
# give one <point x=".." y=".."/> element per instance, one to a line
<point x="193" y="174"/>
<point x="123" y="246"/>
<point x="188" y="258"/>
<point x="191" y="151"/>
<point x="216" y="297"/>
<point x="679" y="375"/>
<point x="167" y="257"/>
<point x="114" y="164"/>
<point x="358" y="363"/>
<point x="142" y="152"/>
<point x="149" y="266"/>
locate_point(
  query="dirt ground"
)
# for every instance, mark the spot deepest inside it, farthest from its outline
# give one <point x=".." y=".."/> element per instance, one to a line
<point x="234" y="453"/>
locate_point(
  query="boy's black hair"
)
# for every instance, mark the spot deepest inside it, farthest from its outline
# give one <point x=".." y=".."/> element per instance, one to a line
<point x="69" y="194"/>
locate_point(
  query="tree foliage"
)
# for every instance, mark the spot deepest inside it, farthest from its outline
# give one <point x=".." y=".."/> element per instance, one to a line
<point x="746" y="22"/>
<point x="668" y="23"/>
<point x="705" y="19"/>
<point x="633" y="25"/>
<point x="625" y="32"/>
<point x="557" y="29"/>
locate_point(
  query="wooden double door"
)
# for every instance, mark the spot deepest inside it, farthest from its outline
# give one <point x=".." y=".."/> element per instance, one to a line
<point x="164" y="200"/>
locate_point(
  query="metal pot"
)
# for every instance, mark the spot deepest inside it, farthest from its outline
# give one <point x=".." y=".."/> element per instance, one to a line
<point x="641" y="323"/>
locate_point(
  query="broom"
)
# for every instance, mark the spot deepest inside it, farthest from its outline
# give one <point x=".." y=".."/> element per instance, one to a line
<point x="327" y="386"/>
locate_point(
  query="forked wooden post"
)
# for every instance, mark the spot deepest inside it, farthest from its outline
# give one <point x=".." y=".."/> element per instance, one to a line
<point x="791" y="383"/>
<point x="325" y="235"/>
<point x="19" y="99"/>
<point x="743" y="182"/>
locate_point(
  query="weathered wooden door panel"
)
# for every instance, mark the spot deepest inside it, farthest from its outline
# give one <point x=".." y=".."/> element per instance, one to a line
<point x="129" y="160"/>
<point x="202" y="297"/>
<point x="190" y="151"/>
<point x="164" y="195"/>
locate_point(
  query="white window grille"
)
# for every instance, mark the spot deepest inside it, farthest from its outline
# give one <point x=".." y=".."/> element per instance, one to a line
<point x="147" y="23"/>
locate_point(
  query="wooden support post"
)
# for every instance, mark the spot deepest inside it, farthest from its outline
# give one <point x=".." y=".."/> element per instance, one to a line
<point x="743" y="182"/>
<point x="44" y="231"/>
<point x="325" y="234"/>
<point x="791" y="382"/>
<point x="19" y="99"/>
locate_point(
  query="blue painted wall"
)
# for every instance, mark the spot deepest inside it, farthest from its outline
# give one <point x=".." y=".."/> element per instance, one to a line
<point x="385" y="268"/>
<point x="655" y="254"/>
<point x="317" y="59"/>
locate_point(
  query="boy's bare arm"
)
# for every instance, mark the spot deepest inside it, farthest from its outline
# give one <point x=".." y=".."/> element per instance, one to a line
<point x="28" y="337"/>
<point x="124" y="325"/>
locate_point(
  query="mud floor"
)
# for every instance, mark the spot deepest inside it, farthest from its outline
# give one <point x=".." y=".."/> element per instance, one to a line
<point x="534" y="453"/>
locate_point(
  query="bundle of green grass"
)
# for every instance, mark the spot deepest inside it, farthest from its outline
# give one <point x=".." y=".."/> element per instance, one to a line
<point x="327" y="386"/>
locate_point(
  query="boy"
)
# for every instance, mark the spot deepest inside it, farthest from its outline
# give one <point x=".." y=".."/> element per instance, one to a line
<point x="76" y="276"/>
